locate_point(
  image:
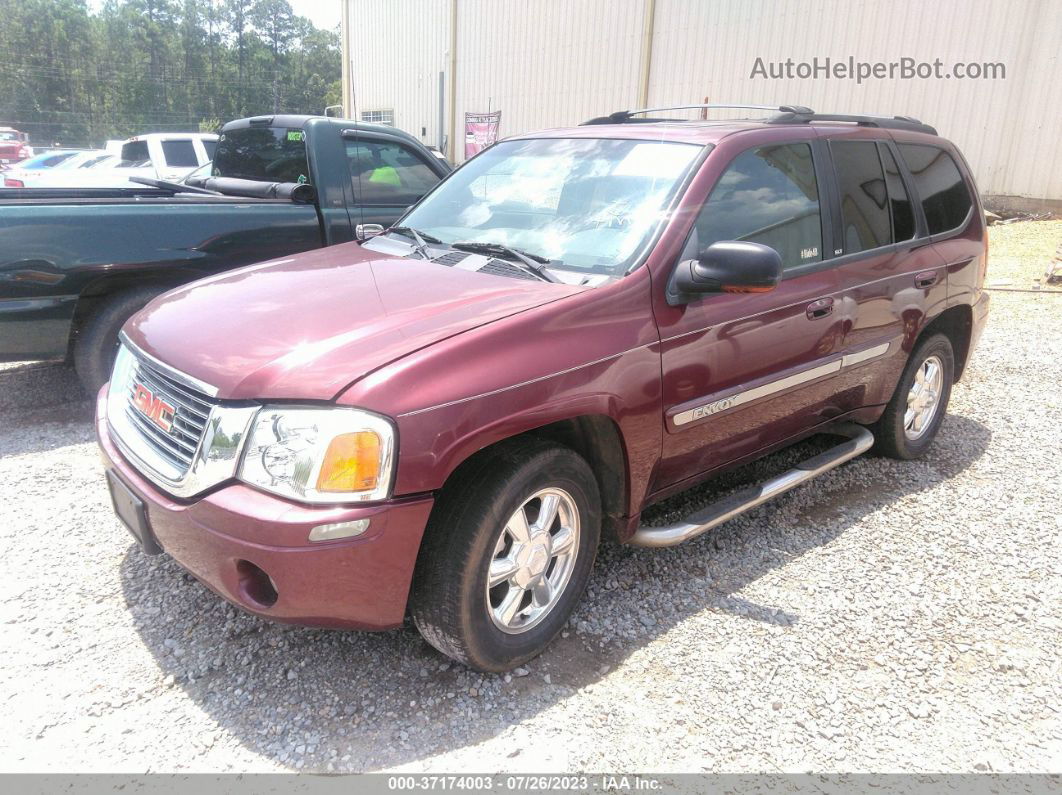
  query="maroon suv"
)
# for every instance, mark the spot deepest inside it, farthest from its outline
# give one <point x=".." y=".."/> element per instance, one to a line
<point x="446" y="419"/>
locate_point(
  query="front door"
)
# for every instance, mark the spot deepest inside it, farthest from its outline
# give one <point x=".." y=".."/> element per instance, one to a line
<point x="743" y="372"/>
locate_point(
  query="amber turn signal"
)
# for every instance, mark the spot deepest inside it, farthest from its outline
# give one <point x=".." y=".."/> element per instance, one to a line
<point x="351" y="463"/>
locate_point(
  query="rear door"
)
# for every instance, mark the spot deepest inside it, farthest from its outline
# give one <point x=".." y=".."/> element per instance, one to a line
<point x="889" y="276"/>
<point x="743" y="372"/>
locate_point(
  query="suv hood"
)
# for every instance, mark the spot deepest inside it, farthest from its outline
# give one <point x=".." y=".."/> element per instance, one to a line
<point x="308" y="326"/>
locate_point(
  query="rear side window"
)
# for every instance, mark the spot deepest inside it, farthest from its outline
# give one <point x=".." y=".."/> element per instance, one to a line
<point x="865" y="221"/>
<point x="179" y="153"/>
<point x="945" y="198"/>
<point x="387" y="173"/>
<point x="135" y="153"/>
<point x="903" y="225"/>
<point x="768" y="195"/>
<point x="209" y="146"/>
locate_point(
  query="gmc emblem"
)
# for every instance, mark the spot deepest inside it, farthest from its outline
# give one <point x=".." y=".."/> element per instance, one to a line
<point x="153" y="407"/>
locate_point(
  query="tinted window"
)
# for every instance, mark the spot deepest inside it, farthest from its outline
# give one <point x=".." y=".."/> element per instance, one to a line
<point x="47" y="161"/>
<point x="387" y="173"/>
<point x="903" y="225"/>
<point x="135" y="153"/>
<point x="179" y="154"/>
<point x="768" y="195"/>
<point x="267" y="154"/>
<point x="864" y="199"/>
<point x="940" y="187"/>
<point x="209" y="146"/>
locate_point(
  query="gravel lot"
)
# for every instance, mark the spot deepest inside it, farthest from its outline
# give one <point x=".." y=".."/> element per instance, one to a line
<point x="888" y="616"/>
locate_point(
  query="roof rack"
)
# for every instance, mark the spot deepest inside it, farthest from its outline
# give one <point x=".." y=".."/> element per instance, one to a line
<point x="806" y="115"/>
<point x="784" y="114"/>
<point x="625" y="116"/>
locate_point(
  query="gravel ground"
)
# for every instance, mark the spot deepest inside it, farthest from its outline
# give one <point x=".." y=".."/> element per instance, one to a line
<point x="889" y="616"/>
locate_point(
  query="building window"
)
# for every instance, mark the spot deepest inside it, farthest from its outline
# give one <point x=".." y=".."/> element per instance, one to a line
<point x="379" y="117"/>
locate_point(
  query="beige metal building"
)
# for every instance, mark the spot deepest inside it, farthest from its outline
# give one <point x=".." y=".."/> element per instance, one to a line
<point x="992" y="79"/>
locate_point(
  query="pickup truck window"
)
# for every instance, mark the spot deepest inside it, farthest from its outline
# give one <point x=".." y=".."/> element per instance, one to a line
<point x="387" y="173"/>
<point x="267" y="154"/>
<point x="209" y="146"/>
<point x="135" y="153"/>
<point x="586" y="204"/>
<point x="180" y="154"/>
<point x="768" y="195"/>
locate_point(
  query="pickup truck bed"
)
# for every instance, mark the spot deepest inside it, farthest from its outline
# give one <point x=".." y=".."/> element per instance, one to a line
<point x="76" y="263"/>
<point x="83" y="249"/>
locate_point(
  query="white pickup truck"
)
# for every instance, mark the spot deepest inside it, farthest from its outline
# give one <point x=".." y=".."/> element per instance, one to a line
<point x="166" y="156"/>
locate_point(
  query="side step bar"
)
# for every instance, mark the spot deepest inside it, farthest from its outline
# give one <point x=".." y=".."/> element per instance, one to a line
<point x="859" y="441"/>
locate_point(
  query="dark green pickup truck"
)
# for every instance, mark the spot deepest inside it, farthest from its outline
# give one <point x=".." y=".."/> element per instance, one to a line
<point x="76" y="263"/>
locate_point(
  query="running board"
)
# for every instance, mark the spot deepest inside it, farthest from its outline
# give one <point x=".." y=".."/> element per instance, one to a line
<point x="859" y="441"/>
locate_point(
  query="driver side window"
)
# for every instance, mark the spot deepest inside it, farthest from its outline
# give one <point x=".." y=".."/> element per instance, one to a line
<point x="767" y="195"/>
<point x="387" y="173"/>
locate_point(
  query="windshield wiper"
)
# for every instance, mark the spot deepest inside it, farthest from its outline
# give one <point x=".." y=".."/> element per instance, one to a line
<point x="420" y="238"/>
<point x="533" y="263"/>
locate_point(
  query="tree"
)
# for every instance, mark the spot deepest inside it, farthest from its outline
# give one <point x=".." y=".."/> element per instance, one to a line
<point x="276" y="22"/>
<point x="79" y="77"/>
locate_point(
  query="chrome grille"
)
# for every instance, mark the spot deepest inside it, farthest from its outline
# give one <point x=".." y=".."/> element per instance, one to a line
<point x="191" y="408"/>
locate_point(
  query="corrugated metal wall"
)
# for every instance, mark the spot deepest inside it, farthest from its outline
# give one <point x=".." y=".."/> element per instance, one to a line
<point x="398" y="48"/>
<point x="548" y="63"/>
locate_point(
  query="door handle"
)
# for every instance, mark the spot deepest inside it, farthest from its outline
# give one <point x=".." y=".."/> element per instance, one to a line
<point x="820" y="308"/>
<point x="926" y="279"/>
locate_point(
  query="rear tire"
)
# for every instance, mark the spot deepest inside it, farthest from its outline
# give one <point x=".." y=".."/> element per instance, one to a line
<point x="917" y="408"/>
<point x="488" y="592"/>
<point x="97" y="340"/>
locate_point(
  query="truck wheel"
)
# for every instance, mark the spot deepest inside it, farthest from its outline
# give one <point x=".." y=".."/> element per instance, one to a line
<point x="97" y="340"/>
<point x="507" y="554"/>
<point x="913" y="416"/>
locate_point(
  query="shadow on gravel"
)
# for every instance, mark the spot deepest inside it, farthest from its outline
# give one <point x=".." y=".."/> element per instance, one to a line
<point x="361" y="701"/>
<point x="33" y="385"/>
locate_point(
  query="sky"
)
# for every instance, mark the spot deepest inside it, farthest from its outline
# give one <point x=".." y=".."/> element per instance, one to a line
<point x="323" y="13"/>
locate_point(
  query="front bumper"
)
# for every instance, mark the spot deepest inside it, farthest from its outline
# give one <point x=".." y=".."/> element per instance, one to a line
<point x="357" y="583"/>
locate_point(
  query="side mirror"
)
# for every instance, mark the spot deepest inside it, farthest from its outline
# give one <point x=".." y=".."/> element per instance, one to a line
<point x="365" y="231"/>
<point x="729" y="266"/>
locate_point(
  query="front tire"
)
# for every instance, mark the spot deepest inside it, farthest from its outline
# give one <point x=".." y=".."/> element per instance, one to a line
<point x="97" y="340"/>
<point x="507" y="554"/>
<point x="914" y="414"/>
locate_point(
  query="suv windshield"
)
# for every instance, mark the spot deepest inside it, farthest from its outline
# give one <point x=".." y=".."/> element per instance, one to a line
<point x="587" y="204"/>
<point x="270" y="154"/>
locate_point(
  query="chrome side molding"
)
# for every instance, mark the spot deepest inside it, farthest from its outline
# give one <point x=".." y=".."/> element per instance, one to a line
<point x="859" y="441"/>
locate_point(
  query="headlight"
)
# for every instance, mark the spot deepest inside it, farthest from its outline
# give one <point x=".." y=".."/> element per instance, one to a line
<point x="320" y="454"/>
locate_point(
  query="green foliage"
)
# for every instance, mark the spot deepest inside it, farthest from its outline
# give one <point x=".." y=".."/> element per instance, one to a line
<point x="79" y="75"/>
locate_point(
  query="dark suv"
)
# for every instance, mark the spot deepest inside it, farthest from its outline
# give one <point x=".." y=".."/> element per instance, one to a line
<point x="447" y="418"/>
